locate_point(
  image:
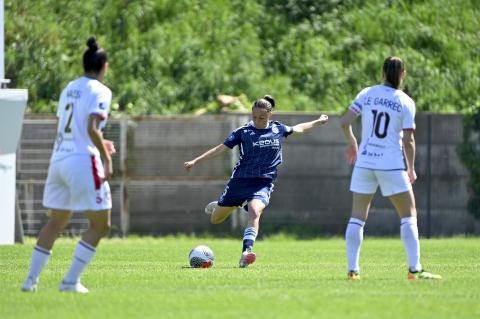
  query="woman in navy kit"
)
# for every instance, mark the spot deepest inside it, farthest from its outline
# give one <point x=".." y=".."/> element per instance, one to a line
<point x="260" y="144"/>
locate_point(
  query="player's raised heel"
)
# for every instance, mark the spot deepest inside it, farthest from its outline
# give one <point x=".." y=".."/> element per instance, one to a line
<point x="248" y="257"/>
<point x="30" y="285"/>
<point x="210" y="208"/>
<point x="417" y="275"/>
<point x="76" y="287"/>
<point x="353" y="275"/>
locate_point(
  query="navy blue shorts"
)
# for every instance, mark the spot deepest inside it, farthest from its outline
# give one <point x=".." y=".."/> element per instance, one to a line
<point x="241" y="190"/>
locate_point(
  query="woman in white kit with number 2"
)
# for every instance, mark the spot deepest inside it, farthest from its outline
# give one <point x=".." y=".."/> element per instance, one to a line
<point x="385" y="158"/>
<point x="79" y="167"/>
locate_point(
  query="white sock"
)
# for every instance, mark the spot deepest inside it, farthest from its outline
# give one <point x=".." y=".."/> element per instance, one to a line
<point x="40" y="258"/>
<point x="354" y="238"/>
<point x="81" y="258"/>
<point x="409" y="235"/>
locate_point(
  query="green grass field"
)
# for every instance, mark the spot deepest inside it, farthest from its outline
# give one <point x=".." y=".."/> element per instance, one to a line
<point x="149" y="278"/>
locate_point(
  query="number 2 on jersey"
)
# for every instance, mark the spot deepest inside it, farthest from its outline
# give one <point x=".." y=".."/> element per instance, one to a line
<point x="69" y="107"/>
<point x="377" y="121"/>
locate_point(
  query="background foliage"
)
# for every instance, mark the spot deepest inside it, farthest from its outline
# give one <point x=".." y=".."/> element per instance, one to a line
<point x="175" y="56"/>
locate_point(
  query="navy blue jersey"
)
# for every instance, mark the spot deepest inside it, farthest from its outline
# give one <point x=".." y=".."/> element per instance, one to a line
<point x="260" y="149"/>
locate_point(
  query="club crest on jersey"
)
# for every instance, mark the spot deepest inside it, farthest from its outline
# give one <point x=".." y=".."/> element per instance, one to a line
<point x="275" y="129"/>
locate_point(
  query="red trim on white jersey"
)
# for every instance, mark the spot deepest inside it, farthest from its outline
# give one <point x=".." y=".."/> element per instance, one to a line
<point x="409" y="129"/>
<point x="96" y="178"/>
<point x="101" y="116"/>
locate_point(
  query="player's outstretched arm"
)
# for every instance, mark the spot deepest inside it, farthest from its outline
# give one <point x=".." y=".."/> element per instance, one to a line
<point x="211" y="153"/>
<point x="352" y="148"/>
<point x="303" y="127"/>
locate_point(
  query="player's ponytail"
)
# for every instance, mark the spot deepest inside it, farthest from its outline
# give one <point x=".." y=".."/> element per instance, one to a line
<point x="94" y="58"/>
<point x="267" y="103"/>
<point x="392" y="70"/>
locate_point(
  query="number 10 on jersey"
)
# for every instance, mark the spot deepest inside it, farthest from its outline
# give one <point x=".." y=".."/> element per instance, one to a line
<point x="380" y="124"/>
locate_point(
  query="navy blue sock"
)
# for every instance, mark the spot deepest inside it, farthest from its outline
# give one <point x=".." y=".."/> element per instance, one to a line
<point x="247" y="243"/>
<point x="249" y="237"/>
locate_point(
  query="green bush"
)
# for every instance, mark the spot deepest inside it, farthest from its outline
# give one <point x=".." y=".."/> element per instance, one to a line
<point x="176" y="56"/>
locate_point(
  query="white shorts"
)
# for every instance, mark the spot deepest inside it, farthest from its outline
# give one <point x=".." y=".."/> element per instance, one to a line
<point x="366" y="181"/>
<point x="76" y="183"/>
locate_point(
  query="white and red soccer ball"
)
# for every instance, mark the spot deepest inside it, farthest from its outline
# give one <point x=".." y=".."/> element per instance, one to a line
<point x="201" y="257"/>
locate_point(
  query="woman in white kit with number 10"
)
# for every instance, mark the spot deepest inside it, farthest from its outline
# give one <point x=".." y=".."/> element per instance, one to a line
<point x="79" y="167"/>
<point x="385" y="158"/>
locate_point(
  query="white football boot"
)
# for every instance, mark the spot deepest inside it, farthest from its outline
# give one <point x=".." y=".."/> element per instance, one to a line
<point x="210" y="208"/>
<point x="248" y="257"/>
<point x="30" y="285"/>
<point x="77" y="287"/>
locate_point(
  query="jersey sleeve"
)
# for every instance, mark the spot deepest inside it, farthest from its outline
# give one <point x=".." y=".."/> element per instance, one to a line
<point x="286" y="130"/>
<point x="61" y="104"/>
<point x="408" y="122"/>
<point x="233" y="139"/>
<point x="357" y="104"/>
<point x="101" y="103"/>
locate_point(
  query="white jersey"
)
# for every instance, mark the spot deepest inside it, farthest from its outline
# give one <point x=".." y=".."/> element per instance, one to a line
<point x="385" y="112"/>
<point x="80" y="98"/>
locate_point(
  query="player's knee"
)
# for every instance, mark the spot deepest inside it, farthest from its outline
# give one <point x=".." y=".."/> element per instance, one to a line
<point x="255" y="212"/>
<point x="102" y="229"/>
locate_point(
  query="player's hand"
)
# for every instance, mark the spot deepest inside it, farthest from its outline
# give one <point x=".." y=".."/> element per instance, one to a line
<point x="323" y="119"/>
<point x="351" y="153"/>
<point x="188" y="165"/>
<point x="412" y="175"/>
<point x="109" y="146"/>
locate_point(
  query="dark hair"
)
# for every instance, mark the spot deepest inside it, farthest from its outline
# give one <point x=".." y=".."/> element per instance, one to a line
<point x="267" y="103"/>
<point x="94" y="58"/>
<point x="392" y="69"/>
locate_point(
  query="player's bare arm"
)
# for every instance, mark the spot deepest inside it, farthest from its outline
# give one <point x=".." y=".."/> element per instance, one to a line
<point x="304" y="127"/>
<point x="352" y="146"/>
<point x="97" y="138"/>
<point x="211" y="153"/>
<point x="409" y="147"/>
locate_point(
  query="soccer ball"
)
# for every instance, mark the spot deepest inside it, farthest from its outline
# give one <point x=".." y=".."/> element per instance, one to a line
<point x="201" y="257"/>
